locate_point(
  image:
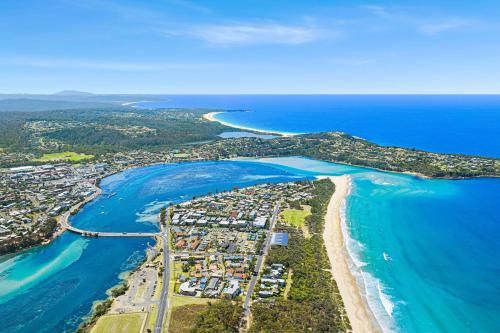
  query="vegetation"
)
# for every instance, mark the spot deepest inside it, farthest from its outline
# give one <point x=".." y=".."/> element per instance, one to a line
<point x="295" y="217"/>
<point x="183" y="319"/>
<point x="123" y="323"/>
<point x="29" y="104"/>
<point x="163" y="214"/>
<point x="106" y="129"/>
<point x="313" y="303"/>
<point x="222" y="317"/>
<point x="343" y="148"/>
<point x="64" y="156"/>
<point x="119" y="290"/>
<point x="100" y="309"/>
<point x="44" y="233"/>
<point x="111" y="129"/>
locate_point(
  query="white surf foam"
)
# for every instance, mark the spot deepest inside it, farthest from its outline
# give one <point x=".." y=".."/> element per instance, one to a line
<point x="371" y="288"/>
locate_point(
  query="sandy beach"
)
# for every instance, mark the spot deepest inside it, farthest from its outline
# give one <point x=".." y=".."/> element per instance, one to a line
<point x="211" y="117"/>
<point x="361" y="318"/>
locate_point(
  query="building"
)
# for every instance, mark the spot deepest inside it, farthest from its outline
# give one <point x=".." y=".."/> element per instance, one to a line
<point x="232" y="290"/>
<point x="187" y="288"/>
<point x="279" y="239"/>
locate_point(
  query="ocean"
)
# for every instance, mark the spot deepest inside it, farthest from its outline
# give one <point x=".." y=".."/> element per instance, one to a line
<point x="425" y="252"/>
<point x="440" y="123"/>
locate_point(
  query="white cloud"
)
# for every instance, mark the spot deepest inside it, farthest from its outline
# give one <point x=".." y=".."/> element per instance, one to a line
<point x="190" y="5"/>
<point x="375" y="10"/>
<point x="438" y="27"/>
<point x="421" y="23"/>
<point x="245" y="34"/>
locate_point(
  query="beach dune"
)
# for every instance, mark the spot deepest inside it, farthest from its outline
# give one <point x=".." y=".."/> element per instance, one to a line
<point x="360" y="316"/>
<point x="211" y="117"/>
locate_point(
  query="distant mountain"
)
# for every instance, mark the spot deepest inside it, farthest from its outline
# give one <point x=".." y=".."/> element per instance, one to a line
<point x="85" y="97"/>
<point x="29" y="104"/>
<point x="73" y="93"/>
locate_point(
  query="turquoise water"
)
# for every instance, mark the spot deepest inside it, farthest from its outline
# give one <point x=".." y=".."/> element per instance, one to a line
<point x="50" y="288"/>
<point x="426" y="252"/>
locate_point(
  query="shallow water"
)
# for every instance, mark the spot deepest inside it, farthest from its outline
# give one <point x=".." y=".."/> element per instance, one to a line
<point x="424" y="251"/>
<point x="50" y="288"/>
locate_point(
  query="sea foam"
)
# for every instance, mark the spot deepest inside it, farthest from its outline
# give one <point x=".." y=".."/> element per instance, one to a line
<point x="371" y="288"/>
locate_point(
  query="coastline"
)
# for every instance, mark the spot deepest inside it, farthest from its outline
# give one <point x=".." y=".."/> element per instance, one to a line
<point x="211" y="117"/>
<point x="64" y="219"/>
<point x="358" y="311"/>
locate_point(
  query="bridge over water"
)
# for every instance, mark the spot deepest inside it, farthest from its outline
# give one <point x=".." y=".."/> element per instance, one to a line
<point x="88" y="233"/>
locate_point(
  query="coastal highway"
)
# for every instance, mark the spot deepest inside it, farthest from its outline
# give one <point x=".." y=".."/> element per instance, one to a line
<point x="163" y="305"/>
<point x="258" y="265"/>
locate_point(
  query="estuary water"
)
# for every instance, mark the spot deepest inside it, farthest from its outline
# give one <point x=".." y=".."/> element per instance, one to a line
<point x="425" y="252"/>
<point x="51" y="288"/>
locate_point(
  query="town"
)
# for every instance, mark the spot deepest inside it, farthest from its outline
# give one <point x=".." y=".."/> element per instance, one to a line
<point x="34" y="197"/>
<point x="218" y="239"/>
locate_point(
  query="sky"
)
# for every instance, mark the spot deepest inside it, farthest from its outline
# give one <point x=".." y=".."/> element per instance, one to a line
<point x="232" y="47"/>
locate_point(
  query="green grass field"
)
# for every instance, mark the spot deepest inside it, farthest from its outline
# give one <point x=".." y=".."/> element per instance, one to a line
<point x="295" y="217"/>
<point x="152" y="317"/>
<point x="64" y="156"/>
<point x="120" y="323"/>
<point x="178" y="301"/>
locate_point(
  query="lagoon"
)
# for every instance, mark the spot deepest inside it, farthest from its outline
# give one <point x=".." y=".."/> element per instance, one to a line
<point x="51" y="288"/>
<point x="423" y="251"/>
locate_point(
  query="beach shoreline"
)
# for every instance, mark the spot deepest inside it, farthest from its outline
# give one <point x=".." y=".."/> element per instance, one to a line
<point x="358" y="311"/>
<point x="210" y="116"/>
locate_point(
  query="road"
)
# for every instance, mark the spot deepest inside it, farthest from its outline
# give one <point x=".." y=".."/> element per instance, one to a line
<point x="258" y="265"/>
<point x="163" y="306"/>
<point x="163" y="303"/>
<point x="65" y="223"/>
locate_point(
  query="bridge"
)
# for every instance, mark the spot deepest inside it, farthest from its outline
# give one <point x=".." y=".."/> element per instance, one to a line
<point x="64" y="221"/>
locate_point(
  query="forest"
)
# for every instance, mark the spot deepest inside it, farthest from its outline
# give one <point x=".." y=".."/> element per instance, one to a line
<point x="313" y="303"/>
<point x="107" y="129"/>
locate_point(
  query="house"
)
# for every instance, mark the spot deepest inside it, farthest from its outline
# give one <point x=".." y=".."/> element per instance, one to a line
<point x="213" y="283"/>
<point x="266" y="293"/>
<point x="260" y="222"/>
<point x="188" y="289"/>
<point x="232" y="290"/>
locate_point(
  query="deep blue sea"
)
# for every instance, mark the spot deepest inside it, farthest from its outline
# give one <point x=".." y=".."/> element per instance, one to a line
<point x="440" y="123"/>
<point x="426" y="253"/>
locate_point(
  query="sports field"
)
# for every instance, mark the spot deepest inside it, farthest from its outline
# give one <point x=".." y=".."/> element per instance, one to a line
<point x="295" y="217"/>
<point x="120" y="323"/>
<point x="64" y="156"/>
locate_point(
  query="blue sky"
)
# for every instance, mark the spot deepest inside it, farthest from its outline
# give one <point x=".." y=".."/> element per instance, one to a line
<point x="272" y="46"/>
